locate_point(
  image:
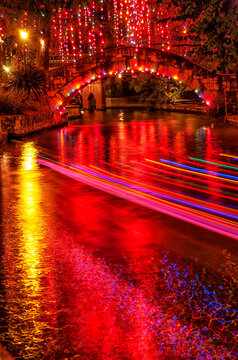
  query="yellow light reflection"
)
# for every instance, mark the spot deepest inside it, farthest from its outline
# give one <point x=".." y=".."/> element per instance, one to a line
<point x="31" y="232"/>
<point x="29" y="157"/>
<point x="30" y="217"/>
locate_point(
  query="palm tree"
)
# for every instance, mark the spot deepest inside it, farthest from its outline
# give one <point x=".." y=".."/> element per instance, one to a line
<point x="29" y="82"/>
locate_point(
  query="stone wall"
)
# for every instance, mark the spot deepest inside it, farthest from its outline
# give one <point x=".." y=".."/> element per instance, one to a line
<point x="74" y="111"/>
<point x="232" y="119"/>
<point x="17" y="126"/>
<point x="3" y="134"/>
<point x="97" y="89"/>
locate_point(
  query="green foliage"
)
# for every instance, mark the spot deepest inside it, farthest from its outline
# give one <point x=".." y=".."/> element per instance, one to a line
<point x="10" y="103"/>
<point x="30" y="81"/>
<point x="212" y="27"/>
<point x="156" y="90"/>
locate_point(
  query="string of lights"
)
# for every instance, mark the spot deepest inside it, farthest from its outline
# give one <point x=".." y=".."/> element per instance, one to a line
<point x="89" y="27"/>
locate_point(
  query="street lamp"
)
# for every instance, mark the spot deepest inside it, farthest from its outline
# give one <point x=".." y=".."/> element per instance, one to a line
<point x="6" y="68"/>
<point x="42" y="42"/>
<point x="24" y="36"/>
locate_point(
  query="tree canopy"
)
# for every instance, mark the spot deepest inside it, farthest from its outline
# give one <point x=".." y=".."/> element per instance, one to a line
<point x="207" y="28"/>
<point x="212" y="27"/>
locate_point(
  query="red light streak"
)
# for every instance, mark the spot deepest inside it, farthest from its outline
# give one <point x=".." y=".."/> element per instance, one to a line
<point x="165" y="192"/>
<point x="159" y="178"/>
<point x="196" y="217"/>
<point x="187" y="176"/>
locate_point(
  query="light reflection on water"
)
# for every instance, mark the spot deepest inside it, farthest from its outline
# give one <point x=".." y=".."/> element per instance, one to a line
<point x="24" y="254"/>
<point x="86" y="274"/>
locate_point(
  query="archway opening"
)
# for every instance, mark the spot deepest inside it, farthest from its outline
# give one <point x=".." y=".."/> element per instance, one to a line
<point x="152" y="90"/>
<point x="91" y="102"/>
<point x="94" y="88"/>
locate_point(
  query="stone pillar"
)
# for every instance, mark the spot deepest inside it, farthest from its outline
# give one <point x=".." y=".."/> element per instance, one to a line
<point x="97" y="89"/>
<point x="100" y="95"/>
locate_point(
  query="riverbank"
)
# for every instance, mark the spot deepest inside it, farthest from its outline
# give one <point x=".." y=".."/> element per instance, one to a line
<point x="232" y="119"/>
<point x="19" y="126"/>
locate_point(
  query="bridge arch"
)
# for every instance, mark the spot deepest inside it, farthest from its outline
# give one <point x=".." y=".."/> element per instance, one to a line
<point x="93" y="96"/>
<point x="91" y="105"/>
<point x="90" y="73"/>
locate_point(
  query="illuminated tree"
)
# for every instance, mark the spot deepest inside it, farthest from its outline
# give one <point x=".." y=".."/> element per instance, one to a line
<point x="212" y="31"/>
<point x="41" y="11"/>
<point x="154" y="90"/>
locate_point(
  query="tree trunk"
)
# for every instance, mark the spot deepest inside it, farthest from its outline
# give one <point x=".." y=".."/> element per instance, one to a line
<point x="108" y="27"/>
<point x="2" y="59"/>
<point x="42" y="55"/>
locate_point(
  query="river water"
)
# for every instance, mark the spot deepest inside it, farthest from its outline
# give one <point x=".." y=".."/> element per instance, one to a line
<point x="88" y="275"/>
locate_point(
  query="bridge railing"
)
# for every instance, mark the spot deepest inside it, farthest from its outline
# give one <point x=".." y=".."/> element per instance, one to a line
<point x="123" y="51"/>
<point x="126" y="51"/>
<point x="62" y="74"/>
<point x="59" y="76"/>
<point x="57" y="61"/>
<point x="72" y="65"/>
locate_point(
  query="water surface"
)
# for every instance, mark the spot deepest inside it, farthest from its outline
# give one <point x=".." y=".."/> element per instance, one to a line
<point x="84" y="274"/>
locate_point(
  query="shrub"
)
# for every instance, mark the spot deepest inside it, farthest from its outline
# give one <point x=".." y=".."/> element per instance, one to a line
<point x="156" y="90"/>
<point x="10" y="103"/>
<point x="30" y="81"/>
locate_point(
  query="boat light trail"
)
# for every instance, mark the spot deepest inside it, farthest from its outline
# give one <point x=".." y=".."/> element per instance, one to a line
<point x="214" y="163"/>
<point x="148" y="199"/>
<point x="231" y="156"/>
<point x="221" y="175"/>
<point x="192" y="177"/>
<point x="163" y="196"/>
<point x="165" y="192"/>
<point x="208" y="168"/>
<point x="161" y="178"/>
<point x="179" y="168"/>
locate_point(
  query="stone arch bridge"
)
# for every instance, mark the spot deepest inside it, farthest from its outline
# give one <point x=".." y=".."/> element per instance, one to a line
<point x="86" y="75"/>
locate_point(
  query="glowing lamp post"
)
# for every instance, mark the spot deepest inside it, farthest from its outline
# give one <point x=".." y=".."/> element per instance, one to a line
<point x="6" y="71"/>
<point x="24" y="36"/>
<point x="6" y="68"/>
